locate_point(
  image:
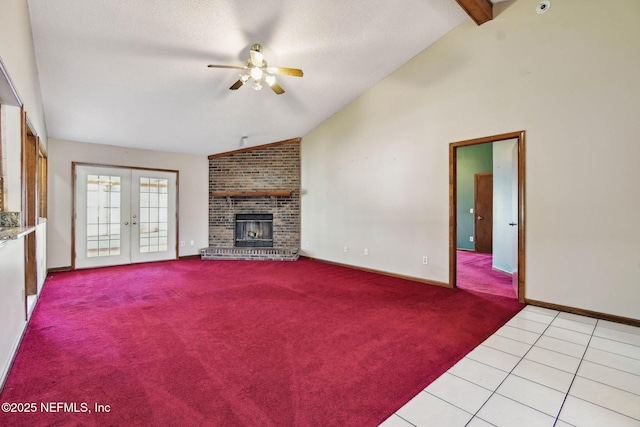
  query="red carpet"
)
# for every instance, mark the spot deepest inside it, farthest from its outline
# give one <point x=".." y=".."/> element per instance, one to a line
<point x="475" y="273"/>
<point x="240" y="343"/>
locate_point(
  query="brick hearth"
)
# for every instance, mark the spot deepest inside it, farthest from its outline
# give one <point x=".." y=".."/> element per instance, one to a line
<point x="255" y="181"/>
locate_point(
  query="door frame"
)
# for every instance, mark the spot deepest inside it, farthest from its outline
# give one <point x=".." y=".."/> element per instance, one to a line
<point x="453" y="203"/>
<point x="102" y="165"/>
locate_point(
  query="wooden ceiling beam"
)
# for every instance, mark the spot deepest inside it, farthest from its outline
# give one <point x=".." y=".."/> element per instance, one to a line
<point x="480" y="11"/>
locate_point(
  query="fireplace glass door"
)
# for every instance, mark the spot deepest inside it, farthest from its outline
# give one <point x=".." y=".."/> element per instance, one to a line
<point x="254" y="230"/>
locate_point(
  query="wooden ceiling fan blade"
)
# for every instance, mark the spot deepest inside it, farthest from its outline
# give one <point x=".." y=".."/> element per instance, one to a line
<point x="285" y="71"/>
<point x="235" y="67"/>
<point x="277" y="88"/>
<point x="237" y="85"/>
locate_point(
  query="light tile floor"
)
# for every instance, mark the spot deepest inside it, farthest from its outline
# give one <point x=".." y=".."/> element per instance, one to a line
<point x="543" y="368"/>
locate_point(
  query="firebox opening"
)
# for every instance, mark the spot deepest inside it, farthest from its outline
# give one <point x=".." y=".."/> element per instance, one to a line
<point x="254" y="230"/>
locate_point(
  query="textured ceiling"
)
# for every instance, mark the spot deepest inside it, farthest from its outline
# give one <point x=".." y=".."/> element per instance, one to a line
<point x="134" y="73"/>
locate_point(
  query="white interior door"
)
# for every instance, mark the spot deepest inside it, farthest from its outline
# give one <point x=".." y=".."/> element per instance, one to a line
<point x="153" y="219"/>
<point x="124" y="216"/>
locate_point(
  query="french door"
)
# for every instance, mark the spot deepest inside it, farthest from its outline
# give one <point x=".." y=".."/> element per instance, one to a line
<point x="123" y="216"/>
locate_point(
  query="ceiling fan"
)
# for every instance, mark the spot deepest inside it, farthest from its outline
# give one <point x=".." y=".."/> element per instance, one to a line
<point x="258" y="70"/>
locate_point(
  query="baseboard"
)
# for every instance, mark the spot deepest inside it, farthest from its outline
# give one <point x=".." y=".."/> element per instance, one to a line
<point x="59" y="269"/>
<point x="189" y="257"/>
<point x="582" y="312"/>
<point x="384" y="273"/>
<point x="501" y="270"/>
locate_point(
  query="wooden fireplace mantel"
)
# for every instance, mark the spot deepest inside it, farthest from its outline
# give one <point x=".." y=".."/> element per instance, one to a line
<point x="261" y="193"/>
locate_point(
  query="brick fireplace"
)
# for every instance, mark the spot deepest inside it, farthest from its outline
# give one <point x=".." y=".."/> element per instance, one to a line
<point x="254" y="203"/>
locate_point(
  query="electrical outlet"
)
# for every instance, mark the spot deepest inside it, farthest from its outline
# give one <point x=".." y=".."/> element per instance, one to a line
<point x="346" y="249"/>
<point x="425" y="260"/>
<point x="182" y="243"/>
<point x="366" y="251"/>
<point x="192" y="243"/>
<point x="471" y="238"/>
<point x="471" y="210"/>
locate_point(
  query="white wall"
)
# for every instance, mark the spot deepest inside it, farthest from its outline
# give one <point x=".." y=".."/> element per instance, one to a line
<point x="17" y="53"/>
<point x="12" y="302"/>
<point x="193" y="191"/>
<point x="41" y="254"/>
<point x="12" y="164"/>
<point x="375" y="175"/>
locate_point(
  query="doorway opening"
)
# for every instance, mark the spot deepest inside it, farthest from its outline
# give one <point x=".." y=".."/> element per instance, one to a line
<point x="498" y="258"/>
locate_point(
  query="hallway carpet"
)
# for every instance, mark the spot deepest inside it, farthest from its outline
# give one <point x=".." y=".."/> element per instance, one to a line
<point x="239" y="343"/>
<point x="475" y="273"/>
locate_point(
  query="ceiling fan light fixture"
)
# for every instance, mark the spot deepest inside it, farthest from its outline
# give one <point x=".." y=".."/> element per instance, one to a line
<point x="256" y="69"/>
<point x="270" y="79"/>
<point x="256" y="73"/>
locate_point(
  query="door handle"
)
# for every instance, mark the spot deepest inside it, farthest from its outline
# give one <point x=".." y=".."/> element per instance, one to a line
<point x="513" y="223"/>
<point x="134" y="223"/>
<point x="126" y="223"/>
<point x="479" y="217"/>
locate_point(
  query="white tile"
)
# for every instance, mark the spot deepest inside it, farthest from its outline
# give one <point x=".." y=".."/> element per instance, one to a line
<point x="609" y="397"/>
<point x="518" y="334"/>
<point x="606" y="358"/>
<point x="478" y="422"/>
<point x="507" y="345"/>
<point x="543" y="374"/>
<point x="573" y="325"/>
<point x="553" y="359"/>
<point x="616" y="347"/>
<point x="495" y="358"/>
<point x="567" y="335"/>
<point x="610" y="376"/>
<point x="532" y="394"/>
<point x="428" y="410"/>
<point x="617" y="335"/>
<point x="561" y="346"/>
<point x="560" y="423"/>
<point x="459" y="392"/>
<point x="395" y="421"/>
<point x="501" y="411"/>
<point x="584" y="414"/>
<point x="527" y="325"/>
<point x="578" y="318"/>
<point x="541" y="310"/>
<point x="536" y="317"/>
<point x="478" y="373"/>
<point x="619" y="327"/>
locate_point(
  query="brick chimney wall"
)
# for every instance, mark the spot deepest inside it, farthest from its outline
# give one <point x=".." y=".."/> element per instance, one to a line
<point x="274" y="167"/>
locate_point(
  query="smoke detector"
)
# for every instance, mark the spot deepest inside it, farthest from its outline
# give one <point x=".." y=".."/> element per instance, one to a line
<point x="542" y="7"/>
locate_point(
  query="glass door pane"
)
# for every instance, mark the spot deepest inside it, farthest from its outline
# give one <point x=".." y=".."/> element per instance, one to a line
<point x="155" y="233"/>
<point x="103" y="215"/>
<point x="154" y="206"/>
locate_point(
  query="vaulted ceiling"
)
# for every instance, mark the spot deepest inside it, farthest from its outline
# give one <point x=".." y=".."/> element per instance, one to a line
<point x="134" y="73"/>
